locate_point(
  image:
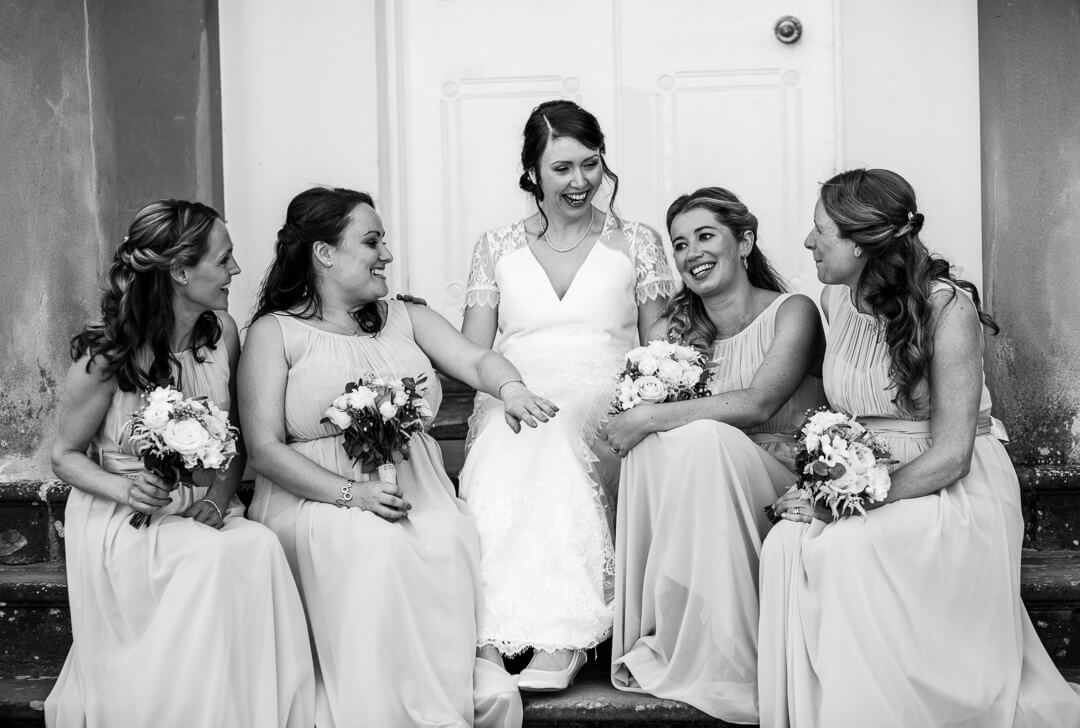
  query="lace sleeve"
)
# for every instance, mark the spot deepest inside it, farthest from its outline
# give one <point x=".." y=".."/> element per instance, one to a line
<point x="482" y="289"/>
<point x="650" y="265"/>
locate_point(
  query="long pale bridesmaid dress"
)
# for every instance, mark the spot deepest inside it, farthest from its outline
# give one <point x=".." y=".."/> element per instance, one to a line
<point x="690" y="525"/>
<point x="392" y="606"/>
<point x="176" y="623"/>
<point x="910" y="616"/>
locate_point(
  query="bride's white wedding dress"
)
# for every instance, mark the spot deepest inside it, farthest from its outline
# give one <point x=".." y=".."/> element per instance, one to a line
<point x="546" y="550"/>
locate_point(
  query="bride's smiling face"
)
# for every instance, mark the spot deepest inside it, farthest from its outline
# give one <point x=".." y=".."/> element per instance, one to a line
<point x="570" y="175"/>
<point x="707" y="254"/>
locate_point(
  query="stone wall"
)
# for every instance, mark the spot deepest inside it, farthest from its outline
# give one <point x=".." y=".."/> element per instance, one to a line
<point x="1030" y="98"/>
<point x="106" y="105"/>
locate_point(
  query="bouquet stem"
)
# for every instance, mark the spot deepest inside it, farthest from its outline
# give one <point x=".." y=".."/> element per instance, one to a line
<point x="387" y="473"/>
<point x="164" y="468"/>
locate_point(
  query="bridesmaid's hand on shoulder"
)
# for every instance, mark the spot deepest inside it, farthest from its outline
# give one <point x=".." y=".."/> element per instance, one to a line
<point x="385" y="500"/>
<point x="521" y="405"/>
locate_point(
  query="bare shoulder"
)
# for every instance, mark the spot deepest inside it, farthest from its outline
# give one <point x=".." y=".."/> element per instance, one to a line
<point x="797" y="310"/>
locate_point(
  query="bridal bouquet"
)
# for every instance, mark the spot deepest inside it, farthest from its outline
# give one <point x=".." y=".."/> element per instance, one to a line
<point x="378" y="417"/>
<point x="661" y="372"/>
<point x="177" y="436"/>
<point x="841" y="463"/>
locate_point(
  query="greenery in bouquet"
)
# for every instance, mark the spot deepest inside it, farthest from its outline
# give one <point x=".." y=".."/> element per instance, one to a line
<point x="178" y="437"/>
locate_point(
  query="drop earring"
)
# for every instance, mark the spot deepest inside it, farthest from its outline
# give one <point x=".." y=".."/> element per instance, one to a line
<point x="746" y="263"/>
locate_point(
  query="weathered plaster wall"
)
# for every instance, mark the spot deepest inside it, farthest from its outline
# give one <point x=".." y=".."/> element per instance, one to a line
<point x="1030" y="97"/>
<point x="105" y="105"/>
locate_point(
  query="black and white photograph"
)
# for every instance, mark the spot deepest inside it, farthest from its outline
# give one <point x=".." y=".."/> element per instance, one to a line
<point x="539" y="363"/>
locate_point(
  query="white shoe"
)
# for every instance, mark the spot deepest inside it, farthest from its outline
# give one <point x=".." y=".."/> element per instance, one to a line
<point x="552" y="680"/>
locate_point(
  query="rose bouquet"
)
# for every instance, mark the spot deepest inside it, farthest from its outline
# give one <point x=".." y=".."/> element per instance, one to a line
<point x="661" y="372"/>
<point x="177" y="436"/>
<point x="841" y="463"/>
<point x="379" y="417"/>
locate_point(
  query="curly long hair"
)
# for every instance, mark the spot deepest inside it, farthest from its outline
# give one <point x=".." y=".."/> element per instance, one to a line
<point x="316" y="214"/>
<point x="137" y="304"/>
<point x="551" y="120"/>
<point x="876" y="210"/>
<point x="687" y="320"/>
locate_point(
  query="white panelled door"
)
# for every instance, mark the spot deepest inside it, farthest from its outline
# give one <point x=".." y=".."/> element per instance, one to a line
<point x="689" y="93"/>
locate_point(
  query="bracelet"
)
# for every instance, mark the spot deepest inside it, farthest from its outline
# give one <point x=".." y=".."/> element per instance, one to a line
<point x="346" y="494"/>
<point x="509" y="381"/>
<point x="216" y="508"/>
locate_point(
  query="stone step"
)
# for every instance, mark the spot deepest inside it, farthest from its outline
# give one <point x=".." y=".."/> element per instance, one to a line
<point x="35" y="635"/>
<point x="32" y="512"/>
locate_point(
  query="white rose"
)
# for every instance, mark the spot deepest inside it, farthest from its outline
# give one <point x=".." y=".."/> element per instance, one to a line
<point x="339" y="418"/>
<point x="213" y="458"/>
<point x="878" y="483"/>
<point x="659" y="348"/>
<point x="691" y="376"/>
<point x="669" y="370"/>
<point x="216" y="427"/>
<point x="650" y="389"/>
<point x="186" y="437"/>
<point x="635" y="354"/>
<point x="400" y="397"/>
<point x="648" y="365"/>
<point x="360" y="398"/>
<point x="388" y="410"/>
<point x="156" y="414"/>
<point x="165" y="394"/>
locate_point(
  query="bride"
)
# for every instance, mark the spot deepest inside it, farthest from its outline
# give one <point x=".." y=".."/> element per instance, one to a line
<point x="563" y="294"/>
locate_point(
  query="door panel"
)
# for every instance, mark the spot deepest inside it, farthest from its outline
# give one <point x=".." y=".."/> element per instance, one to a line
<point x="689" y="93"/>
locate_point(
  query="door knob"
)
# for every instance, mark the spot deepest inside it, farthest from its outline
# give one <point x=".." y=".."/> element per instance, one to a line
<point x="788" y="29"/>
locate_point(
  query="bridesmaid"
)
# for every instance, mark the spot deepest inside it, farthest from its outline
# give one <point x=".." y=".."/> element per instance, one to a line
<point x="693" y="486"/>
<point x="910" y="616"/>
<point x="194" y="619"/>
<point x="389" y="573"/>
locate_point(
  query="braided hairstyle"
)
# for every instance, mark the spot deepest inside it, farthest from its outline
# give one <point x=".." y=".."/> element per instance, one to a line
<point x="687" y="320"/>
<point x="316" y="214"/>
<point x="551" y="120"/>
<point x="137" y="303"/>
<point x="876" y="210"/>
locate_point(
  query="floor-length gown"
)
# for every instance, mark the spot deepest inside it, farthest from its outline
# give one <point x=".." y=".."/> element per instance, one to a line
<point x="392" y="606"/>
<point x="545" y="541"/>
<point x="691" y="521"/>
<point x="177" y="623"/>
<point x="910" y="616"/>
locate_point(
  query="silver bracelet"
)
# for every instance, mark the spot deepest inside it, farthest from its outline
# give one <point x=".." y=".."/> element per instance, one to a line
<point x="346" y="494"/>
<point x="216" y="508"/>
<point x="509" y="381"/>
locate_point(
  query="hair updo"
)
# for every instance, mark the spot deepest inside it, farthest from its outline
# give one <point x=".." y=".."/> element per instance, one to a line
<point x="136" y="305"/>
<point x="551" y="120"/>
<point x="314" y="215"/>
<point x="876" y="210"/>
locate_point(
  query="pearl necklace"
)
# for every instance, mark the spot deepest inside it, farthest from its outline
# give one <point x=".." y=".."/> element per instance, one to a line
<point x="544" y="235"/>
